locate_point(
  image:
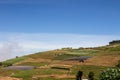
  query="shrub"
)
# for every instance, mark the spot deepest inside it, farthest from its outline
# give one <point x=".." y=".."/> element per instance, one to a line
<point x="79" y="75"/>
<point x="60" y="68"/>
<point x="114" y="42"/>
<point x="91" y="76"/>
<point x="110" y="74"/>
<point x="17" y="57"/>
<point x="118" y="65"/>
<point x="1" y="63"/>
<point x="5" y="64"/>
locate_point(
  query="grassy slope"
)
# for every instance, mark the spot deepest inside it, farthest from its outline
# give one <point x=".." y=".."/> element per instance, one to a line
<point x="103" y="57"/>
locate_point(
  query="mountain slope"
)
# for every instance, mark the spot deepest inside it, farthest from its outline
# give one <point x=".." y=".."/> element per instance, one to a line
<point x="66" y="61"/>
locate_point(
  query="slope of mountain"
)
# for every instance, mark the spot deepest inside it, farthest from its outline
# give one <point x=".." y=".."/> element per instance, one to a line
<point x="64" y="63"/>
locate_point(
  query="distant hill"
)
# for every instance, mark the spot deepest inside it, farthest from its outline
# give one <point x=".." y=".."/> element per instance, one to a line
<point x="58" y="62"/>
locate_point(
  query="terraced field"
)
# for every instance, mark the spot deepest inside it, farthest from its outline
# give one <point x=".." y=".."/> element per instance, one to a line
<point x="53" y="65"/>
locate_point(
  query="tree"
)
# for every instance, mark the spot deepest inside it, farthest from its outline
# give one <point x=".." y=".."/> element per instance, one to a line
<point x="1" y="63"/>
<point x="91" y="76"/>
<point x="118" y="65"/>
<point x="114" y="42"/>
<point x="79" y="75"/>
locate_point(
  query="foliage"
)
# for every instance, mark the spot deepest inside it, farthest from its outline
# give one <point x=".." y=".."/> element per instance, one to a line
<point x="79" y="75"/>
<point x="115" y="42"/>
<point x="91" y="76"/>
<point x="110" y="74"/>
<point x="88" y="68"/>
<point x="65" y="56"/>
<point x="1" y="63"/>
<point x="6" y="64"/>
<point x="15" y="60"/>
<point x="118" y="65"/>
<point x="62" y="68"/>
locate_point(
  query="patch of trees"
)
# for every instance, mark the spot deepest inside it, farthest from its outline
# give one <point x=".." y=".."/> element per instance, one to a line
<point x="67" y="48"/>
<point x="114" y="42"/>
<point x="108" y="74"/>
<point x="80" y="74"/>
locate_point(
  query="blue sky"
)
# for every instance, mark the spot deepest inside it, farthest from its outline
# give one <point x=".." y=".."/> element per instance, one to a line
<point x="28" y="26"/>
<point x="100" y="17"/>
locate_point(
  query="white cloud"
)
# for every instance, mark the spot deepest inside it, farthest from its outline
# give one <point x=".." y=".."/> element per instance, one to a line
<point x="7" y="49"/>
<point x="26" y="43"/>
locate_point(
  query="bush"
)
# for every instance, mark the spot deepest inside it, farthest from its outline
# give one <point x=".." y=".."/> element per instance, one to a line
<point x="7" y="64"/>
<point x="60" y="68"/>
<point x="1" y="63"/>
<point x="91" y="76"/>
<point x="79" y="75"/>
<point x="110" y="74"/>
<point x="118" y="65"/>
<point x="114" y="42"/>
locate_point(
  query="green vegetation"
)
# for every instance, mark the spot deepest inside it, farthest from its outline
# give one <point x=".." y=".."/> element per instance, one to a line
<point x="12" y="61"/>
<point x="88" y="68"/>
<point x="63" y="68"/>
<point x="114" y="42"/>
<point x="79" y="75"/>
<point x="23" y="74"/>
<point x="83" y="52"/>
<point x="6" y="72"/>
<point x="55" y="63"/>
<point x="118" y="64"/>
<point x="15" y="60"/>
<point x="27" y="75"/>
<point x="6" y="64"/>
<point x="110" y="74"/>
<point x="91" y="76"/>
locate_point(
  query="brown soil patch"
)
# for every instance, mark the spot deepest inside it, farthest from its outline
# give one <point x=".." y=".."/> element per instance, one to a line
<point x="110" y="60"/>
<point x="9" y="78"/>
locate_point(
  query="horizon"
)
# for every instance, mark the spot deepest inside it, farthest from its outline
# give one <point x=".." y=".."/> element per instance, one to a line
<point x="29" y="26"/>
<point x="20" y="44"/>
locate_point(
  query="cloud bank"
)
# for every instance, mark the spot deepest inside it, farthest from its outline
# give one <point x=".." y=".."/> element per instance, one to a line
<point x="18" y="44"/>
<point x="7" y="50"/>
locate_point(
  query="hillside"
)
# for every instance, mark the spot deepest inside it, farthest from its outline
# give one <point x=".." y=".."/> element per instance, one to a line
<point x="63" y="64"/>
